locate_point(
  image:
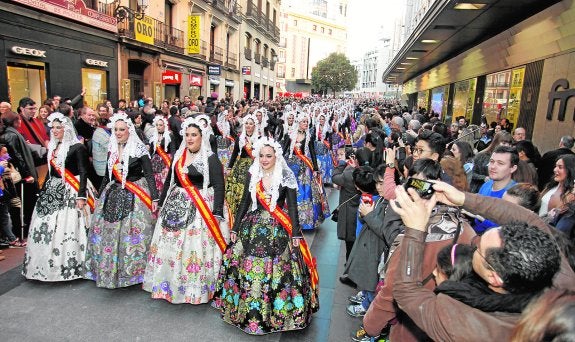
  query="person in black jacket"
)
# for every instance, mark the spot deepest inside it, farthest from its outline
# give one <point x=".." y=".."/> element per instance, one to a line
<point x="263" y="276"/>
<point x="57" y="243"/>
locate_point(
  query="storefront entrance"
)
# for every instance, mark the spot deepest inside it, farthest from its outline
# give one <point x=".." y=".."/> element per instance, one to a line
<point x="26" y="79"/>
<point x="136" y="71"/>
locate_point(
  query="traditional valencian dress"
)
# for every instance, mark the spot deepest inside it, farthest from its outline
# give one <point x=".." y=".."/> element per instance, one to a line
<point x="239" y="167"/>
<point x="266" y="284"/>
<point x="123" y="223"/>
<point x="313" y="208"/>
<point x="191" y="234"/>
<point x="323" y="151"/>
<point x="57" y="241"/>
<point x="224" y="137"/>
<point x="161" y="150"/>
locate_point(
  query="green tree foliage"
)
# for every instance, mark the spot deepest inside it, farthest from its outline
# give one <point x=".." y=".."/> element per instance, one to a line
<point x="334" y="73"/>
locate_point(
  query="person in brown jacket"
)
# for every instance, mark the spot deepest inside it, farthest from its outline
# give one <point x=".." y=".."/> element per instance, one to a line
<point x="514" y="259"/>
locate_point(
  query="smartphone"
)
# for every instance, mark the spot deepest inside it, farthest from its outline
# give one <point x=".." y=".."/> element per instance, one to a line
<point x="367" y="198"/>
<point x="400" y="153"/>
<point x="423" y="187"/>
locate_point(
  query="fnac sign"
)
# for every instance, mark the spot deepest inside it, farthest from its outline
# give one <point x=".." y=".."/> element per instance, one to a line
<point x="171" y="77"/>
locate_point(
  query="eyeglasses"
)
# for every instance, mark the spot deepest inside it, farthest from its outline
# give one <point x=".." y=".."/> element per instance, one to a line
<point x="419" y="150"/>
<point x="483" y="257"/>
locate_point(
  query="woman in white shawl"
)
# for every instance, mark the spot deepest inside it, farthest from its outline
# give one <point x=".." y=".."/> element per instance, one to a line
<point x="191" y="233"/>
<point x="122" y="225"/>
<point x="161" y="150"/>
<point x="57" y="240"/>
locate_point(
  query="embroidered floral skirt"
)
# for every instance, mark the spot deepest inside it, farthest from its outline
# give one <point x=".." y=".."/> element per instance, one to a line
<point x="235" y="184"/>
<point x="225" y="148"/>
<point x="184" y="260"/>
<point x="57" y="240"/>
<point x="264" y="285"/>
<point x="160" y="171"/>
<point x="312" y="204"/>
<point x="324" y="161"/>
<point x="119" y="238"/>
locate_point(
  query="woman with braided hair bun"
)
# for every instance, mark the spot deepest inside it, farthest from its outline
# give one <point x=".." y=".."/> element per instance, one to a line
<point x="121" y="230"/>
<point x="268" y="282"/>
<point x="57" y="242"/>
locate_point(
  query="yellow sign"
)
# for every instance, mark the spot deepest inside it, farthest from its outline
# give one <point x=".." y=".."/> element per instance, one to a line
<point x="145" y="29"/>
<point x="126" y="90"/>
<point x="513" y="107"/>
<point x="194" y="34"/>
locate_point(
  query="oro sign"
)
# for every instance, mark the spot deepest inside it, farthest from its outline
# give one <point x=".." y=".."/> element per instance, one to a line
<point x="145" y="30"/>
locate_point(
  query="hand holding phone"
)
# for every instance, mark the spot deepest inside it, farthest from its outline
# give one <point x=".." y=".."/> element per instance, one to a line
<point x="423" y="187"/>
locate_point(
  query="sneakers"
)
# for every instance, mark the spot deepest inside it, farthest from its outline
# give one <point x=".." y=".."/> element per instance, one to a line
<point x="357" y="299"/>
<point x="362" y="336"/>
<point x="356" y="310"/>
<point x="18" y="243"/>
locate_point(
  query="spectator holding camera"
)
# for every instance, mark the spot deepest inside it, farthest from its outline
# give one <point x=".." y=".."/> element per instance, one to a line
<point x="516" y="260"/>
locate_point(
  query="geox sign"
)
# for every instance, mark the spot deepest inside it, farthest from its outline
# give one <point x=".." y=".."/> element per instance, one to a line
<point x="28" y="52"/>
<point x="96" y="62"/>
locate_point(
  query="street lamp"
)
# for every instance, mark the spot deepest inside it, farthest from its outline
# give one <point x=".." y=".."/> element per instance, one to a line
<point x="122" y="12"/>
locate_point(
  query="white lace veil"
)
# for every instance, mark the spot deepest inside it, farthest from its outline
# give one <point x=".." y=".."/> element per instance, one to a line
<point x="205" y="149"/>
<point x="293" y="136"/>
<point x="70" y="138"/>
<point x="134" y="148"/>
<point x="243" y="135"/>
<point x="156" y="135"/>
<point x="223" y="124"/>
<point x="282" y="175"/>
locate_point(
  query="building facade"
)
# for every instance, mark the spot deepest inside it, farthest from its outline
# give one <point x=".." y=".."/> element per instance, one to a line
<point x="260" y="36"/>
<point x="311" y="31"/>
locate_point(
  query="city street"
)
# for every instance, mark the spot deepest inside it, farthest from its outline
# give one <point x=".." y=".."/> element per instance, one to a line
<point x="79" y="311"/>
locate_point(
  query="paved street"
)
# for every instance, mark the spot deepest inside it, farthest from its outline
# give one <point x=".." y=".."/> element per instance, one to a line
<point x="79" y="311"/>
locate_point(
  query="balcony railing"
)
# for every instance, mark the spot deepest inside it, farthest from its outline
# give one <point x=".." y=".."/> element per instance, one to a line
<point x="272" y="64"/>
<point x="497" y="85"/>
<point x="248" y="53"/>
<point x="265" y="62"/>
<point x="232" y="60"/>
<point x="165" y="36"/>
<point x="231" y="8"/>
<point x="203" y="50"/>
<point x="257" y="58"/>
<point x="216" y="54"/>
<point x="252" y="13"/>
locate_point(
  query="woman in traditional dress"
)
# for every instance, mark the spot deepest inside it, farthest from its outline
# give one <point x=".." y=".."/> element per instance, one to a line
<point x="191" y="233"/>
<point x="238" y="168"/>
<point x="268" y="282"/>
<point x="323" y="148"/>
<point x="161" y="149"/>
<point x="57" y="241"/>
<point x="301" y="158"/>
<point x="224" y="136"/>
<point x="122" y="225"/>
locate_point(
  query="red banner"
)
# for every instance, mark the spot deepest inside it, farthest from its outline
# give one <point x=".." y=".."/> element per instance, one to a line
<point x="171" y="77"/>
<point x="195" y="80"/>
<point x="285" y="221"/>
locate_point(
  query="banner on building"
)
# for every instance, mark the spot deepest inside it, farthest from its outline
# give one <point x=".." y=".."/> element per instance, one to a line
<point x="195" y="80"/>
<point x="171" y="77"/>
<point x="145" y="29"/>
<point x="194" y="34"/>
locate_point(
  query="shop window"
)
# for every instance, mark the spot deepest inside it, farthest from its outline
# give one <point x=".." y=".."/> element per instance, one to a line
<point x="26" y="79"/>
<point x="95" y="82"/>
<point x="463" y="99"/>
<point x="503" y="95"/>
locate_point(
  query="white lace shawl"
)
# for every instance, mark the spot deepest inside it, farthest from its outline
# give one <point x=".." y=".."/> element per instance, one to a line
<point x="243" y="136"/>
<point x="155" y="140"/>
<point x="223" y="124"/>
<point x="293" y="135"/>
<point x="204" y="153"/>
<point x="287" y="128"/>
<point x="70" y="138"/>
<point x="134" y="148"/>
<point x="261" y="125"/>
<point x="318" y="128"/>
<point x="282" y="175"/>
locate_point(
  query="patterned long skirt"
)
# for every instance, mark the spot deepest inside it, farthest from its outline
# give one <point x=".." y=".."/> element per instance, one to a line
<point x="119" y="238"/>
<point x="312" y="204"/>
<point x="57" y="241"/>
<point x="325" y="162"/>
<point x="264" y="285"/>
<point x="184" y="260"/>
<point x="235" y="184"/>
<point x="225" y="147"/>
<point x="160" y="171"/>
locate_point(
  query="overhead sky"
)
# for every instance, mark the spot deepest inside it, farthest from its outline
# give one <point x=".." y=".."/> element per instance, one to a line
<point x="366" y="19"/>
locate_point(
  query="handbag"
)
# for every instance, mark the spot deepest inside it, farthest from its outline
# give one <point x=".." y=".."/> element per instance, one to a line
<point x="14" y="175"/>
<point x="335" y="212"/>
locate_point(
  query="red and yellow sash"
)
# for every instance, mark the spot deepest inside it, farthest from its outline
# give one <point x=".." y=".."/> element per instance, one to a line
<point x="284" y="220"/>
<point x="165" y="157"/>
<point x="304" y="158"/>
<point x="249" y="151"/>
<point x="200" y="204"/>
<point x="133" y="187"/>
<point x="73" y="181"/>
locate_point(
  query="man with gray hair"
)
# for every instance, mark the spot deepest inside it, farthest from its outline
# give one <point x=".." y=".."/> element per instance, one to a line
<point x="547" y="163"/>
